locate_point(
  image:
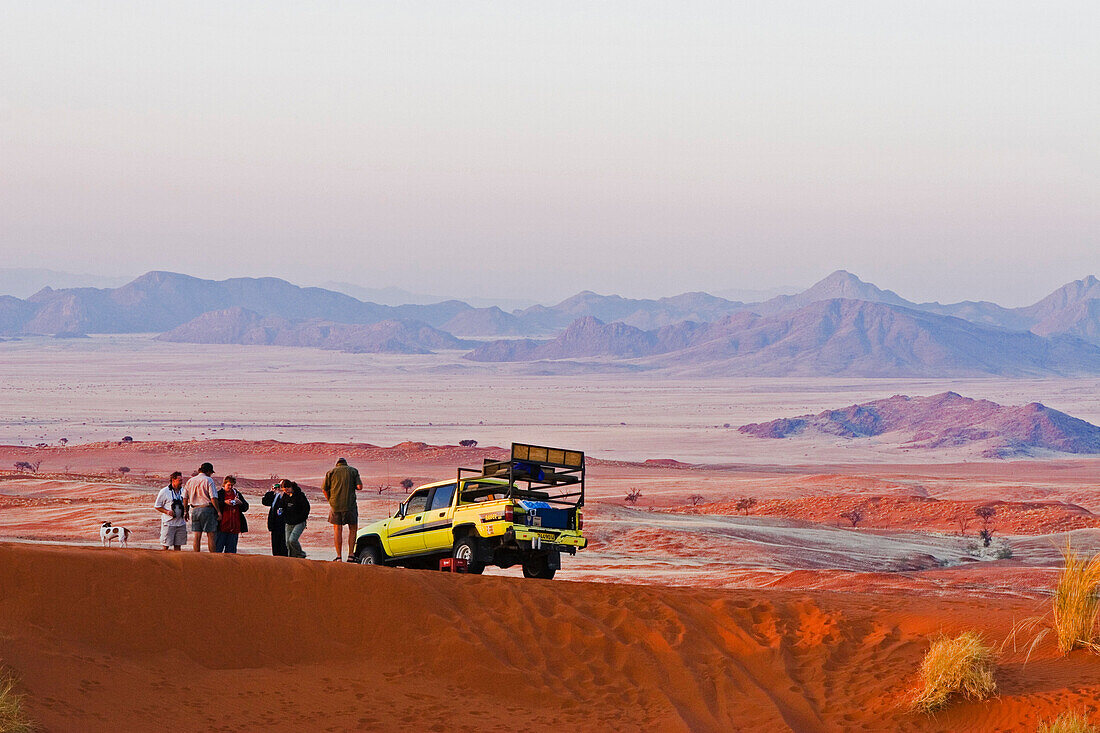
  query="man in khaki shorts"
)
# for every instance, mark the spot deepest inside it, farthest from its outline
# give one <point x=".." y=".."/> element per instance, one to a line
<point x="341" y="483"/>
<point x="199" y="494"/>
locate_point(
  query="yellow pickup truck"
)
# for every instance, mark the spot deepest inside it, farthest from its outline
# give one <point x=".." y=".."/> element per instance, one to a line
<point x="523" y="511"/>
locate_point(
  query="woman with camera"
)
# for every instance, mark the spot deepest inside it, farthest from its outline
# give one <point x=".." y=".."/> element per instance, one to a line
<point x="276" y="525"/>
<point x="295" y="512"/>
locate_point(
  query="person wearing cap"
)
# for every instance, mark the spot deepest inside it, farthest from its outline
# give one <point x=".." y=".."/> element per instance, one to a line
<point x="200" y="495"/>
<point x="341" y="483"/>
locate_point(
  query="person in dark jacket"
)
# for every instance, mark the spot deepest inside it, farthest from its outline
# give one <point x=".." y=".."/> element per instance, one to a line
<point x="232" y="522"/>
<point x="276" y="525"/>
<point x="295" y="513"/>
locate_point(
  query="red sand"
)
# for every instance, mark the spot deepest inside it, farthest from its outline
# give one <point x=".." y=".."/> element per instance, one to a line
<point x="99" y="641"/>
<point x="916" y="513"/>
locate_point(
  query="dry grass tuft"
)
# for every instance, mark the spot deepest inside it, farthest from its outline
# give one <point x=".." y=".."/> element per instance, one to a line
<point x="1074" y="610"/>
<point x="1067" y="723"/>
<point x="12" y="717"/>
<point x="963" y="665"/>
<point x="1075" y="602"/>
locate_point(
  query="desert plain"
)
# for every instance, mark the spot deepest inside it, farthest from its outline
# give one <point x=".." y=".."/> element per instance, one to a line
<point x="693" y="609"/>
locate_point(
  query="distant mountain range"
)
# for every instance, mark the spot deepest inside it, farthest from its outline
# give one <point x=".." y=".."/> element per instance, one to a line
<point x="400" y="296"/>
<point x="22" y="282"/>
<point x="241" y="326"/>
<point x="840" y="326"/>
<point x="945" y="420"/>
<point x="825" y="338"/>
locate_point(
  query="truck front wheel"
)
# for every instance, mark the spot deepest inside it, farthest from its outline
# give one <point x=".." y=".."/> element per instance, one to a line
<point x="370" y="554"/>
<point x="538" y="567"/>
<point x="466" y="549"/>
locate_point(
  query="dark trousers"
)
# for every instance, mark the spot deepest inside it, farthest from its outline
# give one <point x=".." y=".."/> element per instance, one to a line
<point x="226" y="542"/>
<point x="278" y="541"/>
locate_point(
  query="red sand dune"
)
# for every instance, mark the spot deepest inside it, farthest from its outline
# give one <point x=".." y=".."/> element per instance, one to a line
<point x="916" y="513"/>
<point x="103" y="640"/>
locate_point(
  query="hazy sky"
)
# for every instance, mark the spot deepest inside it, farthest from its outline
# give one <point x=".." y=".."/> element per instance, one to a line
<point x="945" y="150"/>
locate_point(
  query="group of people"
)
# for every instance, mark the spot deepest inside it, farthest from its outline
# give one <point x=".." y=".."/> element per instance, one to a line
<point x="219" y="514"/>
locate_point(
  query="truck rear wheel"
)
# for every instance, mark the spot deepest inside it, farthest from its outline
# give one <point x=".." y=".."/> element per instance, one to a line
<point x="370" y="554"/>
<point x="538" y="567"/>
<point x="466" y="549"/>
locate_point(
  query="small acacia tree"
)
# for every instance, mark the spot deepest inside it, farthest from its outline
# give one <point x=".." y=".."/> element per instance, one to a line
<point x="962" y="520"/>
<point x="745" y="504"/>
<point x="406" y="483"/>
<point x="986" y="514"/>
<point x="695" y="499"/>
<point x="855" y="516"/>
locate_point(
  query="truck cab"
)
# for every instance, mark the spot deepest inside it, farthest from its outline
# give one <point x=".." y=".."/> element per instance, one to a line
<point x="525" y="511"/>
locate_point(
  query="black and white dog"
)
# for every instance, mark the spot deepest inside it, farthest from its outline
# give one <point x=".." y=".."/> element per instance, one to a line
<point x="107" y="533"/>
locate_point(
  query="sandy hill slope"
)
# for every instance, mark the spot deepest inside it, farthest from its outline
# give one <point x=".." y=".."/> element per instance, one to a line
<point x="103" y="640"/>
<point x="946" y="419"/>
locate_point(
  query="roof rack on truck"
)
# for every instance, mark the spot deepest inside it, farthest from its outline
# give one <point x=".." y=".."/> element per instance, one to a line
<point x="534" y="472"/>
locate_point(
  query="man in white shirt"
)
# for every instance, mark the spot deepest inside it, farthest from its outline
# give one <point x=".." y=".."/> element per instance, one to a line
<point x="173" y="525"/>
<point x="200" y="499"/>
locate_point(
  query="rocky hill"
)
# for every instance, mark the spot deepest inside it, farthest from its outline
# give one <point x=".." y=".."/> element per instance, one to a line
<point x="945" y="420"/>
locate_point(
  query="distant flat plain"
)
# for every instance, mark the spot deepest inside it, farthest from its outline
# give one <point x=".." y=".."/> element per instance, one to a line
<point x="105" y="387"/>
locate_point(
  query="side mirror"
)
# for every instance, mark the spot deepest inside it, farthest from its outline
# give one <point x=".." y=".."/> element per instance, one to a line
<point x="400" y="511"/>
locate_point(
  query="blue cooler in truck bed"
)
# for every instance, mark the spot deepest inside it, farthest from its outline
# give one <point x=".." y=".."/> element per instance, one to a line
<point x="541" y="514"/>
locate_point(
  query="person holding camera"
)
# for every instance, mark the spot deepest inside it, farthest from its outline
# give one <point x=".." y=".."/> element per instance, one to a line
<point x="276" y="525"/>
<point x="295" y="513"/>
<point x="231" y="520"/>
<point x="169" y="502"/>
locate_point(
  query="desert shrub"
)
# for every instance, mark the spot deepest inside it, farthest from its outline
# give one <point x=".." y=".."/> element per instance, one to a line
<point x="406" y="483"/>
<point x="12" y="717"/>
<point x="745" y="504"/>
<point x="41" y="445"/>
<point x="1075" y="604"/>
<point x="962" y="521"/>
<point x="855" y="516"/>
<point x="959" y="666"/>
<point x="1004" y="552"/>
<point x="696" y="499"/>
<point x="1067" y="722"/>
<point x="64" y="441"/>
<point x="28" y="466"/>
<point x="633" y="495"/>
<point x="127" y="439"/>
<point x="986" y="536"/>
<point x="124" y="470"/>
<point x="468" y="443"/>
